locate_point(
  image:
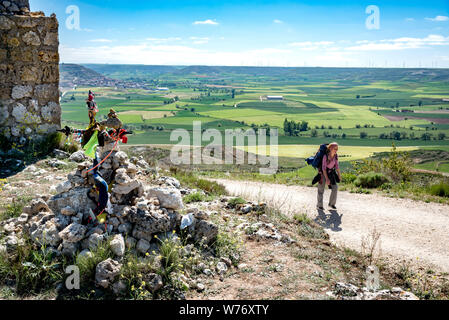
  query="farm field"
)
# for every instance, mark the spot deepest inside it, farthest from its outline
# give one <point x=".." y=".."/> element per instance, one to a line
<point x="365" y="110"/>
<point x="346" y="153"/>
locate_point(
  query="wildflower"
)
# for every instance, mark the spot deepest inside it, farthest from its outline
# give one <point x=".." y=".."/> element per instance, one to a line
<point x="143" y="283"/>
<point x="132" y="287"/>
<point x="147" y="254"/>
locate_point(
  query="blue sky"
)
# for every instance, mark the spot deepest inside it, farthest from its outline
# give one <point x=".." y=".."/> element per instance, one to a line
<point x="262" y="33"/>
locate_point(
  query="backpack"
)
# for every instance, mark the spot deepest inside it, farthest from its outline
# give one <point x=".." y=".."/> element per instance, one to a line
<point x="316" y="161"/>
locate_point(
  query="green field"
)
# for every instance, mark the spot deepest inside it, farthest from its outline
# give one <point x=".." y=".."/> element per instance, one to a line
<point x="364" y="112"/>
<point x="346" y="153"/>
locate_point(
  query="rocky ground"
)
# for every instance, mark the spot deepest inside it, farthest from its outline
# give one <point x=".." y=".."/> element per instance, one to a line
<point x="165" y="238"/>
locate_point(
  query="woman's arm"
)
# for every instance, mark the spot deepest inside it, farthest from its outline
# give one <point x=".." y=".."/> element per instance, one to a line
<point x="337" y="167"/>
<point x="324" y="168"/>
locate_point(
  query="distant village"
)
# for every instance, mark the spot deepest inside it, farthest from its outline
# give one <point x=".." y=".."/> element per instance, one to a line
<point x="73" y="83"/>
<point x="73" y="76"/>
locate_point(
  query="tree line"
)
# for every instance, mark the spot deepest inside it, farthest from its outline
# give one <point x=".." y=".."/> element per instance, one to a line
<point x="292" y="128"/>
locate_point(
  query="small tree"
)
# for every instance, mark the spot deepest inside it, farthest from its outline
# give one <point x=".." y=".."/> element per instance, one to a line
<point x="426" y="136"/>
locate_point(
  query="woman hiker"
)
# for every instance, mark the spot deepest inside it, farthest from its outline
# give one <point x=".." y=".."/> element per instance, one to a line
<point x="330" y="176"/>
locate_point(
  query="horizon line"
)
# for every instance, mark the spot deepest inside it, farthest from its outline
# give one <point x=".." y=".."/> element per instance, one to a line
<point x="246" y="66"/>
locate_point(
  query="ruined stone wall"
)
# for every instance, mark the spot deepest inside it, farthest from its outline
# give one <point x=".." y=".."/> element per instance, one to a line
<point x="29" y="74"/>
<point x="15" y="6"/>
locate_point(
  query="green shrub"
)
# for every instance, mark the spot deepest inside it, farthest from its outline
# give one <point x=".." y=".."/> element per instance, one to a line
<point x="360" y="191"/>
<point x="189" y="180"/>
<point x="5" y="144"/>
<point x="88" y="264"/>
<point x="395" y="164"/>
<point x="171" y="259"/>
<point x="132" y="273"/>
<point x="194" y="197"/>
<point x="386" y="186"/>
<point x="440" y="190"/>
<point x="32" y="270"/>
<point x="302" y="218"/>
<point x="43" y="147"/>
<point x="308" y="228"/>
<point x="228" y="244"/>
<point x="313" y="231"/>
<point x="235" y="201"/>
<point x="348" y="177"/>
<point x="39" y="148"/>
<point x="14" y="209"/>
<point x="371" y="180"/>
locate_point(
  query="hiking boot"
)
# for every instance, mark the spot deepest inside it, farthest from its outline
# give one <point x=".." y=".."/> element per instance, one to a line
<point x="333" y="207"/>
<point x="320" y="207"/>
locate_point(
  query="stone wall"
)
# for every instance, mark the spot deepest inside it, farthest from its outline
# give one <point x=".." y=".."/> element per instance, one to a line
<point x="15" y="7"/>
<point x="29" y="75"/>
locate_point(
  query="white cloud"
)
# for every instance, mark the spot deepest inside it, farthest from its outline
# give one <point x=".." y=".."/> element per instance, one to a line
<point x="400" y="43"/>
<point x="410" y="19"/>
<point x="268" y="51"/>
<point x="310" y="43"/>
<point x="438" y="19"/>
<point x="336" y="57"/>
<point x="208" y="21"/>
<point x="173" y="55"/>
<point x="101" y="40"/>
<point x="311" y="53"/>
<point x="312" y="46"/>
<point x="164" y="40"/>
<point x="199" y="40"/>
<point x="278" y="21"/>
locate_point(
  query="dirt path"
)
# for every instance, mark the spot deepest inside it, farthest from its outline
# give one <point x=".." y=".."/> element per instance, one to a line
<point x="409" y="229"/>
<point x="444" y="174"/>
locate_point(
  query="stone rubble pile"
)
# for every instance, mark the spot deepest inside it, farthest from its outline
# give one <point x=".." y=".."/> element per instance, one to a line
<point x="136" y="212"/>
<point x="264" y="231"/>
<point x="245" y="208"/>
<point x="349" y="291"/>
